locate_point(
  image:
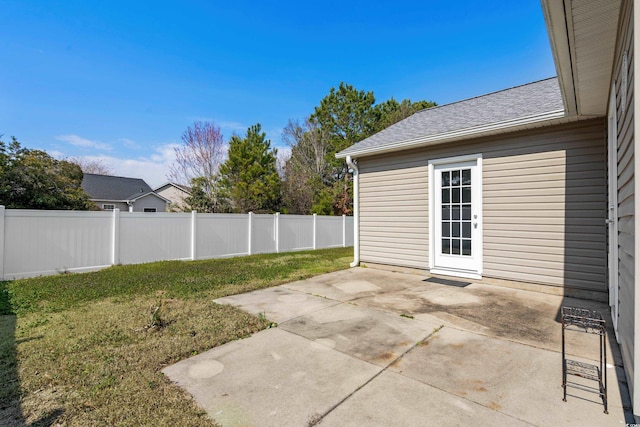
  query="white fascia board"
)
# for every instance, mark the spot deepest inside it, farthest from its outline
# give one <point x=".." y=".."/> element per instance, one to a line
<point x="490" y="129"/>
<point x="559" y="28"/>
<point x="108" y="200"/>
<point x="149" y="194"/>
<point x="172" y="184"/>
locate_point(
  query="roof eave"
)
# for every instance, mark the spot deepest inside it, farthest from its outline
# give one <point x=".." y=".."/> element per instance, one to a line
<point x="151" y="193"/>
<point x="558" y="29"/>
<point x="550" y="117"/>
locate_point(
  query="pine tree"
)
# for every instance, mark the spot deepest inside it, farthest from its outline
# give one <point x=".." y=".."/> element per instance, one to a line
<point x="249" y="178"/>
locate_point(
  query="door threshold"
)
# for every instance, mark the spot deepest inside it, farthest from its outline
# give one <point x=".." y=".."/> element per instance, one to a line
<point x="456" y="273"/>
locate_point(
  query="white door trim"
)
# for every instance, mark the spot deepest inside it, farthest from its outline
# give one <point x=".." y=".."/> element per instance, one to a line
<point x="612" y="214"/>
<point x="476" y="272"/>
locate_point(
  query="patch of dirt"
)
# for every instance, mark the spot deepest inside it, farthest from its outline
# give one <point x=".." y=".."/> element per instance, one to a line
<point x="386" y="356"/>
<point x="501" y="313"/>
<point x="494" y="406"/>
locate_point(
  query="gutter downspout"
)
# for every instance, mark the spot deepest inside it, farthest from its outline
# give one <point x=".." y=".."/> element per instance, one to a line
<point x="356" y="213"/>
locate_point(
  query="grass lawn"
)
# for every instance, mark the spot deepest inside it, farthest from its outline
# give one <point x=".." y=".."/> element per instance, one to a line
<point x="87" y="349"/>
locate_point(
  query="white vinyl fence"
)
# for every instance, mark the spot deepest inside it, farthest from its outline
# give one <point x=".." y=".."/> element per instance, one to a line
<point x="35" y="243"/>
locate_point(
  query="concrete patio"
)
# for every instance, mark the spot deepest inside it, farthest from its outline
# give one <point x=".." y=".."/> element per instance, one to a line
<point x="372" y="347"/>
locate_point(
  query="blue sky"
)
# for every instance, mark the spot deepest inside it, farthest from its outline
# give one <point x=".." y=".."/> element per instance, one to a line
<point x="121" y="80"/>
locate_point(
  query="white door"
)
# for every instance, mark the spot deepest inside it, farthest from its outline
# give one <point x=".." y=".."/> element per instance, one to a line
<point x="612" y="214"/>
<point x="456" y="216"/>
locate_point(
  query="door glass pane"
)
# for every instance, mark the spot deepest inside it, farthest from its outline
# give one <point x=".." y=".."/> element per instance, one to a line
<point x="466" y="177"/>
<point x="445" y="179"/>
<point x="455" y="246"/>
<point x="455" y="195"/>
<point x="466" y="229"/>
<point x="466" y="247"/>
<point x="455" y="205"/>
<point x="446" y="212"/>
<point x="466" y="194"/>
<point x="466" y="212"/>
<point x="455" y="178"/>
<point x="445" y="228"/>
<point x="455" y="213"/>
<point x="455" y="229"/>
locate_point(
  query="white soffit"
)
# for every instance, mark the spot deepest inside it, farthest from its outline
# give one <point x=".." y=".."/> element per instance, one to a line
<point x="583" y="37"/>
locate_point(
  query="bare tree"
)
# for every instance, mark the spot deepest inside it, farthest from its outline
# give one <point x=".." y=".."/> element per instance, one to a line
<point x="95" y="166"/>
<point x="309" y="147"/>
<point x="307" y="172"/>
<point x="200" y="155"/>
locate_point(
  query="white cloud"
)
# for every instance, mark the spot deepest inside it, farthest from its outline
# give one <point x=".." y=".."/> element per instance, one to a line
<point x="231" y="128"/>
<point x="78" y="141"/>
<point x="129" y="143"/>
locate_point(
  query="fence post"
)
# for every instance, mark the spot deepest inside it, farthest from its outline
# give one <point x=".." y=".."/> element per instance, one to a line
<point x="315" y="228"/>
<point x="250" y="230"/>
<point x="276" y="230"/>
<point x="193" y="235"/>
<point x="344" y="231"/>
<point x="1" y="242"/>
<point x="115" y="237"/>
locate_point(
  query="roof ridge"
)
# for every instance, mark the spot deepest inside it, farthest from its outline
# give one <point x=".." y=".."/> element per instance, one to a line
<point x="483" y="95"/>
<point x="114" y="176"/>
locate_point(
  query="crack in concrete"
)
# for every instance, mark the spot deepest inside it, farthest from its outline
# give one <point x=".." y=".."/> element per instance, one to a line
<point x="318" y="419"/>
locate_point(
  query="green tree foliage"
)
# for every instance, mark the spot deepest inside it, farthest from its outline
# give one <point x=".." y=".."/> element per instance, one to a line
<point x="249" y="178"/>
<point x="314" y="180"/>
<point x="31" y="179"/>
<point x="345" y="116"/>
<point x="392" y="111"/>
<point x="205" y="196"/>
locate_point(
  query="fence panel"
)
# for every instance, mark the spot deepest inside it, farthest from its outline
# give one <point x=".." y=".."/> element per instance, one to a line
<point x="263" y="239"/>
<point x="348" y="231"/>
<point x="220" y="235"/>
<point x="34" y="242"/>
<point x="296" y="232"/>
<point x="146" y="237"/>
<point x="328" y="231"/>
<point x="48" y="242"/>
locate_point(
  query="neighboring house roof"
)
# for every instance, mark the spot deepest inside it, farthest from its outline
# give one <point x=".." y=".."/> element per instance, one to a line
<point x="180" y="187"/>
<point x="115" y="188"/>
<point x="519" y="106"/>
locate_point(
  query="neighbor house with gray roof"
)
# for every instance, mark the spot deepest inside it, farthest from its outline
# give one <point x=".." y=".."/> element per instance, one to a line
<point x="127" y="194"/>
<point x="532" y="186"/>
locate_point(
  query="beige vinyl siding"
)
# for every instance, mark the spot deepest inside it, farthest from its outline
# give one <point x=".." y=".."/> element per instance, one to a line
<point x="174" y="194"/>
<point x="150" y="201"/>
<point x="544" y="201"/>
<point x="544" y="205"/>
<point x="394" y="210"/>
<point x="626" y="196"/>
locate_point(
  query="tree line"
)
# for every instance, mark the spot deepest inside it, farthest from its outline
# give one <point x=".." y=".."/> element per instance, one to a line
<point x="243" y="174"/>
<point x="252" y="177"/>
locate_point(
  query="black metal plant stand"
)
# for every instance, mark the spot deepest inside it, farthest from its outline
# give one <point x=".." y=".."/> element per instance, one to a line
<point x="590" y="322"/>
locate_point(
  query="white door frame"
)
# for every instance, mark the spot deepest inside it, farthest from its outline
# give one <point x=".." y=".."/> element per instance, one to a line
<point x="474" y="271"/>
<point x="612" y="214"/>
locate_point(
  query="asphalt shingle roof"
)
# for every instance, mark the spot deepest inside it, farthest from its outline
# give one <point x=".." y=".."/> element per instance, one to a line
<point x="107" y="187"/>
<point x="531" y="99"/>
